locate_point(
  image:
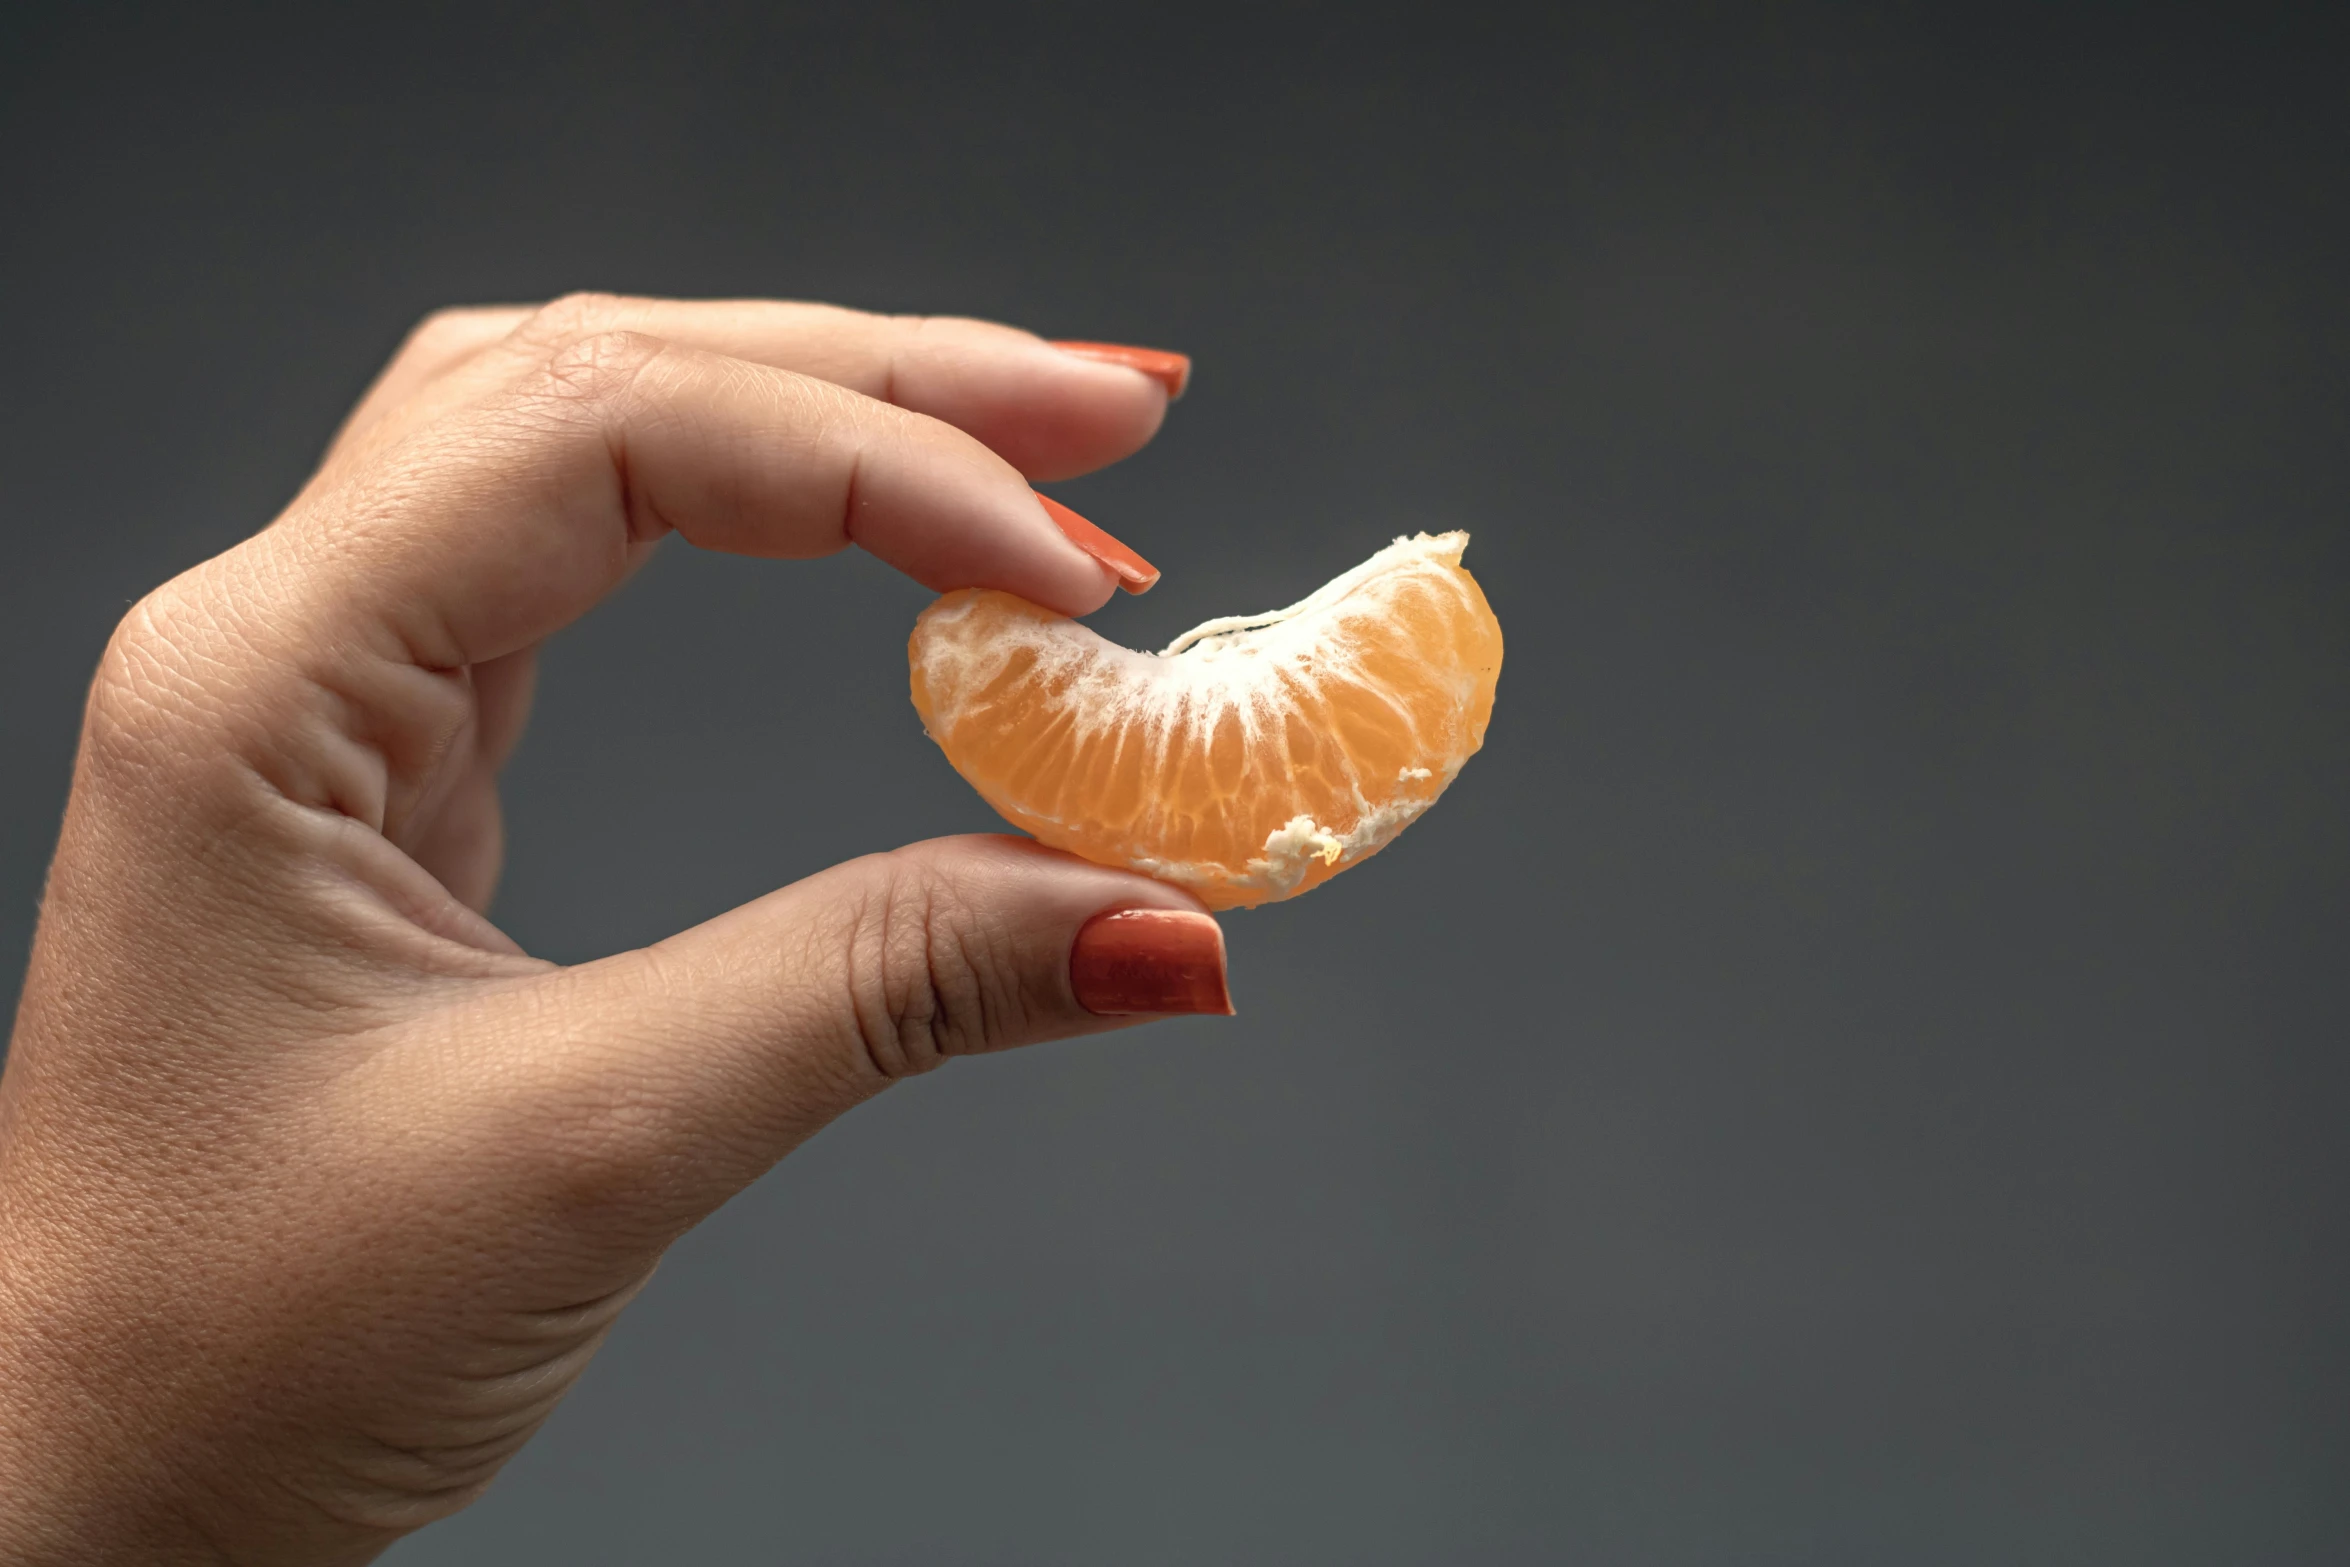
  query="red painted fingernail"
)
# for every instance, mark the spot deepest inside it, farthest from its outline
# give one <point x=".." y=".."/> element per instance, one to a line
<point x="1135" y="574"/>
<point x="1142" y="961"/>
<point x="1172" y="371"/>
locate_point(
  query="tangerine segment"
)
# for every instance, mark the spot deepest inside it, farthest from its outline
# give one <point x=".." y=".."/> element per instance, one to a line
<point x="1255" y="757"/>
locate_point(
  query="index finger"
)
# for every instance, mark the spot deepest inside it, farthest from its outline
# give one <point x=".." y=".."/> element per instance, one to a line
<point x="509" y="517"/>
<point x="1052" y="411"/>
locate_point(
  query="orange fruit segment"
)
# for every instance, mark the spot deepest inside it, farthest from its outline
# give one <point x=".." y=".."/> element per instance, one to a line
<point x="1254" y="758"/>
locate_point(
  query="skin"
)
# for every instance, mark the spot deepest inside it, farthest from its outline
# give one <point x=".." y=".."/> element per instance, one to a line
<point x="316" y="1191"/>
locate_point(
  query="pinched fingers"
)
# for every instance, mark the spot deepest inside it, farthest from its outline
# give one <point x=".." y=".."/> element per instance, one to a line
<point x="326" y="657"/>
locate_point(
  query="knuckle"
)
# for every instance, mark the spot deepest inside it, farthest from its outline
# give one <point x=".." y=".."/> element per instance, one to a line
<point x="931" y="982"/>
<point x="149" y="688"/>
<point x="600" y="366"/>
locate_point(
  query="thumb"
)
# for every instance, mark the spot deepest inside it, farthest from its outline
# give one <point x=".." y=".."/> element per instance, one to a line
<point x="677" y="1074"/>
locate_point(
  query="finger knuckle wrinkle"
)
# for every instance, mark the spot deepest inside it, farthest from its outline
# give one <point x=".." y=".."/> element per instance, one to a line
<point x="599" y="367"/>
<point x="930" y="987"/>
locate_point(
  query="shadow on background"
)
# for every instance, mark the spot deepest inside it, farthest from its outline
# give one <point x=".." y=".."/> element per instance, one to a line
<point x="1855" y="1071"/>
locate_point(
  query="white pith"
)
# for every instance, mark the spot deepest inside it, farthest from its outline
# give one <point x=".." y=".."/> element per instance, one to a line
<point x="1236" y="667"/>
<point x="1401" y="553"/>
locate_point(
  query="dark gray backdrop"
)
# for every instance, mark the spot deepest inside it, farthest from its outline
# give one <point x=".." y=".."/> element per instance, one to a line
<point x="1853" y="1073"/>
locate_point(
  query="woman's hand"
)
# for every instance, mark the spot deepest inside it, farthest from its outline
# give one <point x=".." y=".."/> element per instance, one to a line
<point x="316" y="1192"/>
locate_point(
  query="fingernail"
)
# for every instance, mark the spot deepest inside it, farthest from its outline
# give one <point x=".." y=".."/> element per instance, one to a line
<point x="1172" y="371"/>
<point x="1141" y="961"/>
<point x="1135" y="574"/>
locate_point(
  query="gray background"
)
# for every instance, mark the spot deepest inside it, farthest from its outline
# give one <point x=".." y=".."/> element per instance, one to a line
<point x="1854" y="1072"/>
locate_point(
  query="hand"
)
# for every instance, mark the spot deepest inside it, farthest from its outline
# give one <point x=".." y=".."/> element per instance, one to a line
<point x="316" y="1192"/>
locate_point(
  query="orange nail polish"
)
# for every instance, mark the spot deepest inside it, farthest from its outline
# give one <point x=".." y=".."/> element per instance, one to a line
<point x="1172" y="371"/>
<point x="1135" y="574"/>
<point x="1149" y="961"/>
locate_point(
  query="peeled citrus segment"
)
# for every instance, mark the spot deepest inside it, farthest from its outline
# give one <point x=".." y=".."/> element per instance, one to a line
<point x="1257" y="756"/>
